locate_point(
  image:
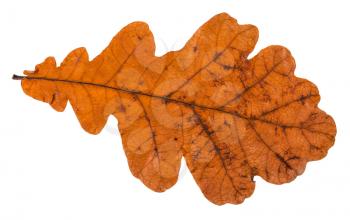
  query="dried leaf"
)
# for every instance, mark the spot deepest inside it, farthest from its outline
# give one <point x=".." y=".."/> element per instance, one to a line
<point x="230" y="117"/>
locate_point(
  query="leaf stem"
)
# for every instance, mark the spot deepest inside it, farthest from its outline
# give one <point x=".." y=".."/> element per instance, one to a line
<point x="16" y="77"/>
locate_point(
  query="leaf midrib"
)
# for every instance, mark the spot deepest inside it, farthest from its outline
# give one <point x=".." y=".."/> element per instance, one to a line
<point x="164" y="98"/>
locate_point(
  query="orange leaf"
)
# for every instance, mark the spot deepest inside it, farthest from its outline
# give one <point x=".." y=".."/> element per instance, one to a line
<point x="230" y="117"/>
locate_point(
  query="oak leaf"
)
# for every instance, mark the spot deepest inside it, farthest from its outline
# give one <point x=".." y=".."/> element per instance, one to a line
<point x="232" y="118"/>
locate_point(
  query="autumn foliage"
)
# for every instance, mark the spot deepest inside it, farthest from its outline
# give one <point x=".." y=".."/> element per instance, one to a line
<point x="232" y="118"/>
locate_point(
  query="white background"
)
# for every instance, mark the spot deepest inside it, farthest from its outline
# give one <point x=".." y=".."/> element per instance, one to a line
<point x="51" y="169"/>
